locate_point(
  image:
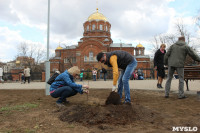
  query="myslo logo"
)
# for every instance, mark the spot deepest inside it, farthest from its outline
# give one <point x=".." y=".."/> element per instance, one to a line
<point x="185" y="129"/>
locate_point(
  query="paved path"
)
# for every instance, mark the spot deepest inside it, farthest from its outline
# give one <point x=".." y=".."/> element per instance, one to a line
<point x="134" y="84"/>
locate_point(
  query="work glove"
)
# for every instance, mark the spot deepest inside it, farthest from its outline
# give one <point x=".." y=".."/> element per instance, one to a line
<point x="114" y="88"/>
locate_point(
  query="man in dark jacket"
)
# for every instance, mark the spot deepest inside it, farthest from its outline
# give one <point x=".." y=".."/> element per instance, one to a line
<point x="125" y="61"/>
<point x="175" y="58"/>
<point x="159" y="64"/>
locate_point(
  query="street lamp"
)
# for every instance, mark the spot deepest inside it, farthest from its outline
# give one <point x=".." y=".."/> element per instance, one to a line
<point x="47" y="66"/>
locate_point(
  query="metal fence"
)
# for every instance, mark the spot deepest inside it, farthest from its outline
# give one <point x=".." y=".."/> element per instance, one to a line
<point x="87" y="74"/>
<point x="36" y="76"/>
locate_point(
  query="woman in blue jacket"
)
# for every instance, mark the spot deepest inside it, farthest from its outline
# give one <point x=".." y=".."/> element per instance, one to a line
<point x="64" y="86"/>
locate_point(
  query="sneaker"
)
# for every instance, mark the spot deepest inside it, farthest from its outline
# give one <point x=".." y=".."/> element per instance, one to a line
<point x="59" y="104"/>
<point x="127" y="103"/>
<point x="183" y="97"/>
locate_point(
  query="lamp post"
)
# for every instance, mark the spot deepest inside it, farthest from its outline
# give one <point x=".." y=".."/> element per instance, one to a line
<point x="47" y="66"/>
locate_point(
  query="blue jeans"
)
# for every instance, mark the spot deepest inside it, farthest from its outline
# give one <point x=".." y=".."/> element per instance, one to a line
<point x="104" y="76"/>
<point x="123" y="81"/>
<point x="94" y="77"/>
<point x="63" y="93"/>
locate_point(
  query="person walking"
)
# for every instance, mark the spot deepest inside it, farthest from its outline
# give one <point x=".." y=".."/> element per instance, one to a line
<point x="64" y="86"/>
<point x="125" y="61"/>
<point x="159" y="64"/>
<point x="27" y="74"/>
<point x="22" y="79"/>
<point x="174" y="59"/>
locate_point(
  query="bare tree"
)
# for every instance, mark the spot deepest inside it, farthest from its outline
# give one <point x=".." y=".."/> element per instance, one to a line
<point x="23" y="49"/>
<point x="182" y="30"/>
<point x="30" y="55"/>
<point x="157" y="41"/>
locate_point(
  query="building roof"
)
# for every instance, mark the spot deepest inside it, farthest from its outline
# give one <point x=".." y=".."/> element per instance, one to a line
<point x="71" y="47"/>
<point x="140" y="45"/>
<point x="120" y="45"/>
<point x="97" y="16"/>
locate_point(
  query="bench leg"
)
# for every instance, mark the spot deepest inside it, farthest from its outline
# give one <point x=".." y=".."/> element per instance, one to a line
<point x="186" y="81"/>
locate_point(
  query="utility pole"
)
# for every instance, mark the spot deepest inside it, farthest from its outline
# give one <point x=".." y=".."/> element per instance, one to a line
<point x="47" y="66"/>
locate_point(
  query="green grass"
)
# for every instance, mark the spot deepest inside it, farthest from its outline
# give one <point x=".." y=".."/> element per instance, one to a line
<point x="19" y="107"/>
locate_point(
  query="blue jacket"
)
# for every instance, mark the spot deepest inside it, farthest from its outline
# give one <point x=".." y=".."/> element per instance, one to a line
<point x="65" y="79"/>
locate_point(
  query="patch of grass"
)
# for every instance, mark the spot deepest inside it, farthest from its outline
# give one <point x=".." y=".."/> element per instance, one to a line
<point x="30" y="131"/>
<point x="6" y="131"/>
<point x="19" y="107"/>
<point x="70" y="126"/>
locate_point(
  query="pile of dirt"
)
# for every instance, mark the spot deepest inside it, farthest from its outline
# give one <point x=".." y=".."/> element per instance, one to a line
<point x="113" y="98"/>
<point x="94" y="115"/>
<point x="108" y="114"/>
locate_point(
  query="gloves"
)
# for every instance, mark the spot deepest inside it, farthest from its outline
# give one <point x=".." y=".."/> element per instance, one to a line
<point x="114" y="88"/>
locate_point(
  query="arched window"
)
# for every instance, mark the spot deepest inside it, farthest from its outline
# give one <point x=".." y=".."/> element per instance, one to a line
<point x="85" y="58"/>
<point x="93" y="27"/>
<point x="139" y="52"/>
<point x="88" y="28"/>
<point x="101" y="27"/>
<point x="106" y="28"/>
<point x="91" y="56"/>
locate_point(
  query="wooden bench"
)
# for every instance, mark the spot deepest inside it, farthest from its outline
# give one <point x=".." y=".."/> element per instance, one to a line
<point x="191" y="73"/>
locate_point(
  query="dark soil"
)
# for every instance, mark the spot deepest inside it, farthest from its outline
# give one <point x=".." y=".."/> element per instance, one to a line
<point x="150" y="112"/>
<point x="113" y="98"/>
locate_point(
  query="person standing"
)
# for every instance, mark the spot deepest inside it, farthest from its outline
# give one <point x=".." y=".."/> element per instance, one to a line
<point x="64" y="86"/>
<point x="159" y="64"/>
<point x="94" y="73"/>
<point x="104" y="71"/>
<point x="27" y="74"/>
<point x="125" y="61"/>
<point x="174" y="59"/>
<point x="81" y="76"/>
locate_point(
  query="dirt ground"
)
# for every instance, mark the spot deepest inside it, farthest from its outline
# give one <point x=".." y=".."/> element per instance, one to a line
<point x="31" y="111"/>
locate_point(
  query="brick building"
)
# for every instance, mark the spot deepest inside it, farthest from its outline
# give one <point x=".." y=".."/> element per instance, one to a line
<point x="96" y="38"/>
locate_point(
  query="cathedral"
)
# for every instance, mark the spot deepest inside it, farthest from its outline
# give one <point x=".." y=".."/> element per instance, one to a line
<point x="96" y="38"/>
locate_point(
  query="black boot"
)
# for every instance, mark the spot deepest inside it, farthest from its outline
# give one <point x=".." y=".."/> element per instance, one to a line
<point x="161" y="86"/>
<point x="158" y="85"/>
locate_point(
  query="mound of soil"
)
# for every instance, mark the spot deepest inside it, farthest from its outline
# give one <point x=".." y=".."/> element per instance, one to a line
<point x="94" y="115"/>
<point x="113" y="98"/>
<point x="110" y="114"/>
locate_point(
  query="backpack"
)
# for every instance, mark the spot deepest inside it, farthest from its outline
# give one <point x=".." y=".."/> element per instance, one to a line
<point x="52" y="78"/>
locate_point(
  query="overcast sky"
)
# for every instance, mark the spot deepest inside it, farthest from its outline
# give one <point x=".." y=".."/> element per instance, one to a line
<point x="132" y="21"/>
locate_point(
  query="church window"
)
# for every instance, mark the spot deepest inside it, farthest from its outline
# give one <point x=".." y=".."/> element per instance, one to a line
<point x="87" y="27"/>
<point x="101" y="27"/>
<point x="66" y="60"/>
<point x="73" y="59"/>
<point x="90" y="56"/>
<point x="106" y="28"/>
<point x="85" y="58"/>
<point x="93" y="27"/>
<point x="58" y="54"/>
<point x="139" y="52"/>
